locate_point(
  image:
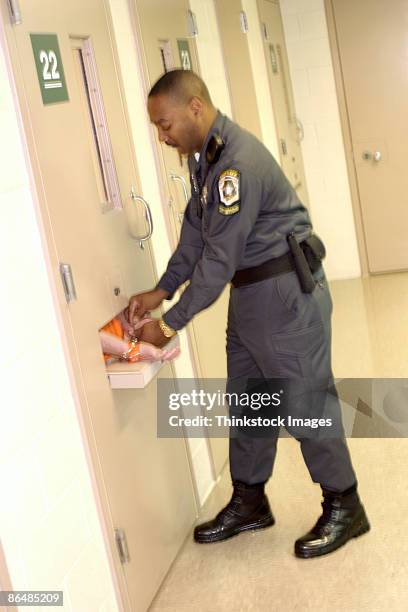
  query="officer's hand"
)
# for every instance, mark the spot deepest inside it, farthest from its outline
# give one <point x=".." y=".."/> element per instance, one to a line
<point x="152" y="333"/>
<point x="141" y="303"/>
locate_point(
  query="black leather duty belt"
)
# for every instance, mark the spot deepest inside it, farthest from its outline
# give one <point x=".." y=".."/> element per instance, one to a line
<point x="272" y="267"/>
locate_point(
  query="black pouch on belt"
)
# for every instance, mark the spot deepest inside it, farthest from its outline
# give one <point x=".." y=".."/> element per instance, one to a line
<point x="304" y="274"/>
<point x="314" y="251"/>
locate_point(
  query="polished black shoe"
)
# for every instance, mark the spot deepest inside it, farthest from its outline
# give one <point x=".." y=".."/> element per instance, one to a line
<point x="248" y="509"/>
<point x="343" y="518"/>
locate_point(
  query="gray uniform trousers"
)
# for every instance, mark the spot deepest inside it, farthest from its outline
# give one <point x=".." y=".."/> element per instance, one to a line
<point x="276" y="331"/>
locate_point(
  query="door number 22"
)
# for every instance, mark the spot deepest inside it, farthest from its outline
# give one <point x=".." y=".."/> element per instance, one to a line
<point x="49" y="60"/>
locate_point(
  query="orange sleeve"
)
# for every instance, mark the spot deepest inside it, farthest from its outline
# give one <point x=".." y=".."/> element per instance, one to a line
<point x="117" y="326"/>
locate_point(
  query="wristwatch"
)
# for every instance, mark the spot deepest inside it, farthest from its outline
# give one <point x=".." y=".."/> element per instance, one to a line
<point x="168" y="331"/>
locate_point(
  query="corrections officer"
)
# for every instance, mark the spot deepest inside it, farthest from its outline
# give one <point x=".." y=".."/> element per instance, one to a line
<point x="235" y="230"/>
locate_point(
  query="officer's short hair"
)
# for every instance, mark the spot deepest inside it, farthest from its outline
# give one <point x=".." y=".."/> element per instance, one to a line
<point x="182" y="85"/>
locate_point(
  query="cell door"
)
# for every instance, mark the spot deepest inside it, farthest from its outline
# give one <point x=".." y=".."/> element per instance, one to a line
<point x="70" y="94"/>
<point x="372" y="42"/>
<point x="288" y="126"/>
<point x="166" y="32"/>
<point x="232" y="24"/>
<point x="166" y="35"/>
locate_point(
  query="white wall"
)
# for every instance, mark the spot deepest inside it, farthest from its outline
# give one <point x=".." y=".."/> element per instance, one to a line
<point x="50" y="530"/>
<point x="316" y="104"/>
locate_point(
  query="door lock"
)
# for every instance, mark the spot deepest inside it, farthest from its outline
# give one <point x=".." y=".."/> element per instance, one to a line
<point x="376" y="156"/>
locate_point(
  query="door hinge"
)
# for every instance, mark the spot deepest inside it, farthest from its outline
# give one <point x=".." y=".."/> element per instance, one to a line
<point x="192" y="27"/>
<point x="284" y="146"/>
<point x="68" y="282"/>
<point x="121" y="543"/>
<point x="244" y="22"/>
<point x="15" y="12"/>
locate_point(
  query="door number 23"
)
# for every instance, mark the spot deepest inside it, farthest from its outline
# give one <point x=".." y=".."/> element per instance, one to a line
<point x="49" y="60"/>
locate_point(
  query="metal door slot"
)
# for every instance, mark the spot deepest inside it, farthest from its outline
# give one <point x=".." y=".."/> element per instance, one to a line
<point x="125" y="375"/>
<point x="105" y="169"/>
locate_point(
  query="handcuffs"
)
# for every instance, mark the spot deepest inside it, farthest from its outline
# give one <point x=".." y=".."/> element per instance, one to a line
<point x="167" y="331"/>
<point x="132" y="342"/>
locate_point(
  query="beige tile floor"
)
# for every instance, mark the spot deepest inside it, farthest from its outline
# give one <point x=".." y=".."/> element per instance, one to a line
<point x="258" y="571"/>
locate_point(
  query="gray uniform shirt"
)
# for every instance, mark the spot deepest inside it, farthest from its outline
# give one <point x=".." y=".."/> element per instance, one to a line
<point x="247" y="210"/>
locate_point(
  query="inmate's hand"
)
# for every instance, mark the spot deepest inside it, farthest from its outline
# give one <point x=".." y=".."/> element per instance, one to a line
<point x="141" y="303"/>
<point x="112" y="345"/>
<point x="152" y="333"/>
<point x="148" y="352"/>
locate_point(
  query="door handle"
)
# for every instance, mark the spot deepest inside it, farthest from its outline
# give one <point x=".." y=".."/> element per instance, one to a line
<point x="148" y="215"/>
<point x="180" y="179"/>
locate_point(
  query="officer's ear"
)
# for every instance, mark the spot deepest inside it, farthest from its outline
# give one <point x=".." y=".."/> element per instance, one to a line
<point x="196" y="105"/>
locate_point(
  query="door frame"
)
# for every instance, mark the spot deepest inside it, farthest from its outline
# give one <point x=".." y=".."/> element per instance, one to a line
<point x="51" y="260"/>
<point x="347" y="138"/>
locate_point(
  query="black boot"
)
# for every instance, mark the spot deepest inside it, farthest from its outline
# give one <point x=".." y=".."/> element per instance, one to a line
<point x="343" y="518"/>
<point x="248" y="509"/>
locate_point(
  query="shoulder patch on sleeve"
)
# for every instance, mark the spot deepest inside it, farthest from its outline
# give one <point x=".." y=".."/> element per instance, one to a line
<point x="229" y="190"/>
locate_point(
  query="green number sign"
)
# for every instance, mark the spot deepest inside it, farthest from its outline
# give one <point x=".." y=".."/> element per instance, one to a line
<point x="184" y="52"/>
<point x="50" y="70"/>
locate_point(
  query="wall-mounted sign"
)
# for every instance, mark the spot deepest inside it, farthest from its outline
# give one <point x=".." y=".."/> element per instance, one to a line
<point x="184" y="52"/>
<point x="49" y="66"/>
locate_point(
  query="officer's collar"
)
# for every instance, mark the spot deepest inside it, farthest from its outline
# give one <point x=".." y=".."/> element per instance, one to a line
<point x="215" y="128"/>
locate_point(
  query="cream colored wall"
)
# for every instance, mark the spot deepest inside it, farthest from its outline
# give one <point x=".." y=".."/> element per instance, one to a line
<point x="323" y="149"/>
<point x="50" y="529"/>
<point x="153" y="191"/>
